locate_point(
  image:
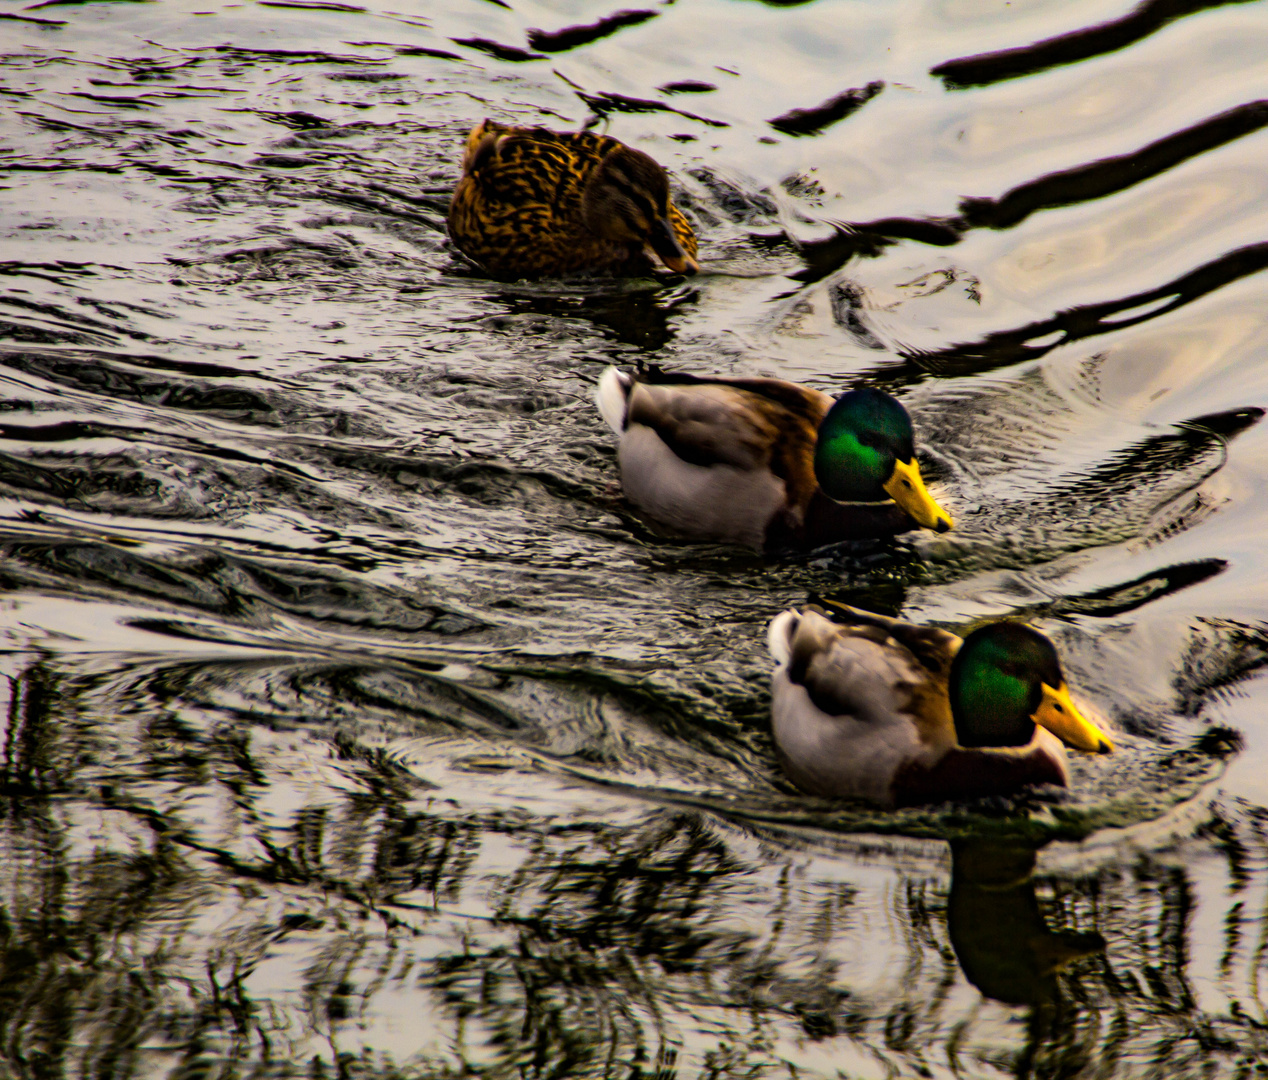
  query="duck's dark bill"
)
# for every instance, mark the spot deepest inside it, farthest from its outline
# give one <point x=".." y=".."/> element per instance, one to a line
<point x="669" y="251"/>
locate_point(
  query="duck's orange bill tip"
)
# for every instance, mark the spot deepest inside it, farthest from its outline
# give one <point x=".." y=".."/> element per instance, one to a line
<point x="907" y="488"/>
<point x="669" y="250"/>
<point x="684" y="265"/>
<point x="1059" y="715"/>
<point x="679" y="263"/>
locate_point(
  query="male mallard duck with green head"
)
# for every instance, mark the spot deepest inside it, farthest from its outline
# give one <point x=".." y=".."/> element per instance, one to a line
<point x="763" y="462"/>
<point x="538" y="203"/>
<point x="899" y="714"/>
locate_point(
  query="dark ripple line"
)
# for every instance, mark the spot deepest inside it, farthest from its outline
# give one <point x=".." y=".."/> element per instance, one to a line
<point x="359" y="200"/>
<point x="16" y="268"/>
<point x="295" y="119"/>
<point x="604" y="103"/>
<point x="75" y="430"/>
<point x="314" y="5"/>
<point x="62" y="166"/>
<point x="114" y="100"/>
<point x="813" y="120"/>
<point x="687" y="86"/>
<point x="1005" y="347"/>
<point x="292" y="56"/>
<point x="30" y="19"/>
<point x="420" y="50"/>
<point x="230" y="585"/>
<point x="53" y="124"/>
<point x="356" y="555"/>
<point x="1070" y="187"/>
<point x="572" y="37"/>
<point x="1112" y="175"/>
<point x="141" y="360"/>
<point x="59" y="314"/>
<point x="511" y="53"/>
<point x="1107" y="37"/>
<point x="1115" y="600"/>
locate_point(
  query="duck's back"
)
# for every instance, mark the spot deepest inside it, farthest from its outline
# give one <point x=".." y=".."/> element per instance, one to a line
<point x="718" y="459"/>
<point x="852" y="706"/>
<point x="517" y="209"/>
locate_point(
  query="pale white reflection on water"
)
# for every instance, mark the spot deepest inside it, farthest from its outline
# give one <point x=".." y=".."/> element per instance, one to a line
<point x="355" y="726"/>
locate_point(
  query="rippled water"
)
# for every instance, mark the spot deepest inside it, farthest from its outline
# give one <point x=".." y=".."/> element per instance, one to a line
<point x="355" y="726"/>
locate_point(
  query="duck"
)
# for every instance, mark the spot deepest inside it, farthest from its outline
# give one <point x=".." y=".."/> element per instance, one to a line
<point x="765" y="463"/>
<point x="535" y="203"/>
<point x="896" y="714"/>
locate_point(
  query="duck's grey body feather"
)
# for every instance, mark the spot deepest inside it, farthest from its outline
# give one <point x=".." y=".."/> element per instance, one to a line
<point x="842" y="708"/>
<point x="715" y="459"/>
<point x="708" y="502"/>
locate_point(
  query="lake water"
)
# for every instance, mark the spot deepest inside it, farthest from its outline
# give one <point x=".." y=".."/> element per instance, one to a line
<point x="354" y="725"/>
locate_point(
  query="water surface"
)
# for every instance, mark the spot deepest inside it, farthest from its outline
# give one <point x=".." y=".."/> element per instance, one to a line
<point x="355" y="726"/>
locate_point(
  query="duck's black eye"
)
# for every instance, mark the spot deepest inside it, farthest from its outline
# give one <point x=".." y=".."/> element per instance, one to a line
<point x="1058" y="708"/>
<point x="907" y="484"/>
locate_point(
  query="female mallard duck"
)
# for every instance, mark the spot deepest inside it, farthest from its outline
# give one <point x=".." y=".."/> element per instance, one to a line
<point x="899" y="714"/>
<point x="763" y="462"/>
<point x="539" y="203"/>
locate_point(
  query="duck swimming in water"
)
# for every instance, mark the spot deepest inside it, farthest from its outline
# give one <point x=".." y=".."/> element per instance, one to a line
<point x="898" y="714"/>
<point x="763" y="462"/>
<point x="538" y="203"/>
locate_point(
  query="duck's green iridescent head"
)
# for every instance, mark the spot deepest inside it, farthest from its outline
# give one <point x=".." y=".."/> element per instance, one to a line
<point x="1005" y="679"/>
<point x="866" y="453"/>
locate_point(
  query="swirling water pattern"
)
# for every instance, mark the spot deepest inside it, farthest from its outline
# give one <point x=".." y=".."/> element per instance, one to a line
<point x="356" y="727"/>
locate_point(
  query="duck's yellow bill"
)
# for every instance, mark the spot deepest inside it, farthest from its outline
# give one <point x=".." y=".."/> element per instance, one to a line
<point x="1057" y="713"/>
<point x="908" y="490"/>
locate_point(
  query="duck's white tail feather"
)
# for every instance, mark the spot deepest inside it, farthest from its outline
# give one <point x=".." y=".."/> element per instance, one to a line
<point x="612" y="397"/>
<point x="779" y="635"/>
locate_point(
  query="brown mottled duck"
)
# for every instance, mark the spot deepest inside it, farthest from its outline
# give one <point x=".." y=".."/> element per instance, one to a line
<point x="537" y="203"/>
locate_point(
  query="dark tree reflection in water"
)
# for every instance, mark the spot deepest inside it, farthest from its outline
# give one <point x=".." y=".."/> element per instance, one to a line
<point x="197" y="893"/>
<point x="356" y="727"/>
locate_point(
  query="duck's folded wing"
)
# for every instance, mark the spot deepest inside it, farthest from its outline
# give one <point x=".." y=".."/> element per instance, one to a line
<point x="710" y="423"/>
<point x="932" y="647"/>
<point x="861" y="671"/>
<point x="851" y="707"/>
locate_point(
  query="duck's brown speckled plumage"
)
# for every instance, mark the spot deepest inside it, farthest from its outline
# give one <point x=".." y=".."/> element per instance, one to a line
<point x="518" y="209"/>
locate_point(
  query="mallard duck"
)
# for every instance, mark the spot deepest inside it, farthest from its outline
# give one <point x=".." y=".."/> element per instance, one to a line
<point x="763" y="462"/>
<point x="538" y="203"/>
<point x="898" y="714"/>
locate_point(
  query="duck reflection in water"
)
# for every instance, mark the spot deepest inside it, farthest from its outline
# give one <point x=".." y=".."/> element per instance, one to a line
<point x="999" y="934"/>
